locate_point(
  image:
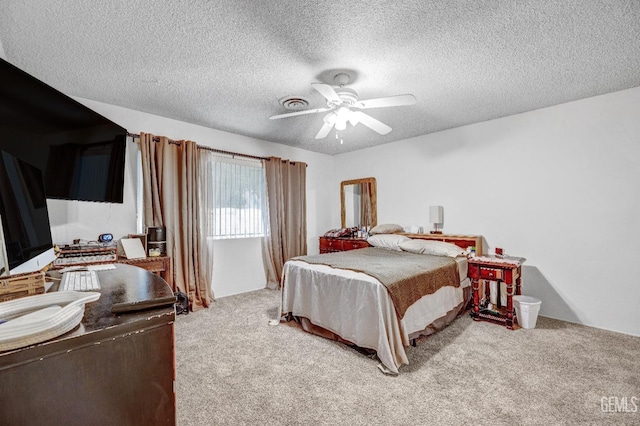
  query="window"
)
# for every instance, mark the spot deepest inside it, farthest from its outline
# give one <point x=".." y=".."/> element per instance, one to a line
<point x="235" y="198"/>
<point x="233" y="195"/>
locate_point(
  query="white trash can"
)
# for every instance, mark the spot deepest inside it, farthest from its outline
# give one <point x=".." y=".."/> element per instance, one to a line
<point x="527" y="309"/>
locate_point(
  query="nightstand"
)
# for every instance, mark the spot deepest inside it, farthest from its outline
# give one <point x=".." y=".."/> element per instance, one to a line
<point x="500" y="269"/>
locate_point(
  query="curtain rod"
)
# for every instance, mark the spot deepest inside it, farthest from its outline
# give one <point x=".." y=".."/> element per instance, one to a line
<point x="206" y="148"/>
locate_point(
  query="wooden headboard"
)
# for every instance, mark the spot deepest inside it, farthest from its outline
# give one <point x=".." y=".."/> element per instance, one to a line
<point x="462" y="241"/>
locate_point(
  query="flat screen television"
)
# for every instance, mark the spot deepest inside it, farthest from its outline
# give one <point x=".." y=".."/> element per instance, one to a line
<point x="81" y="153"/>
<point x="26" y="233"/>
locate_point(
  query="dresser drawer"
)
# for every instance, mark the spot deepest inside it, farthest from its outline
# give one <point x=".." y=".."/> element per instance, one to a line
<point x="354" y="244"/>
<point x="328" y="245"/>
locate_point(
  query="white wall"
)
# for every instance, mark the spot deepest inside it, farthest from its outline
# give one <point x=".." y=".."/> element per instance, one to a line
<point x="559" y="186"/>
<point x="238" y="263"/>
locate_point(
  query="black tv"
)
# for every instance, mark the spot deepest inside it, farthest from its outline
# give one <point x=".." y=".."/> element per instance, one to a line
<point x="25" y="237"/>
<point x="81" y="153"/>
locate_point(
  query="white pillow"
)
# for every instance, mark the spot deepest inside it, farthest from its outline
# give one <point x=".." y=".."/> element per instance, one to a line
<point x="387" y="241"/>
<point x="386" y="228"/>
<point x="437" y="248"/>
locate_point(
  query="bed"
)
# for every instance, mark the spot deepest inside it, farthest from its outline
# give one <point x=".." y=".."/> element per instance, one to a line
<point x="352" y="305"/>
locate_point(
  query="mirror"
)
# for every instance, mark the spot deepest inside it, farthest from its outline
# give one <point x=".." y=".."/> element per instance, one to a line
<point x="358" y="203"/>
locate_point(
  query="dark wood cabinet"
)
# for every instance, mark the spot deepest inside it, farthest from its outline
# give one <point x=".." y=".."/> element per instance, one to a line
<point x="115" y="369"/>
<point x="331" y="245"/>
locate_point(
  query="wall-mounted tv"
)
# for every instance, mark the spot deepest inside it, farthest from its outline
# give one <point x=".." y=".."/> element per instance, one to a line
<point x="81" y="153"/>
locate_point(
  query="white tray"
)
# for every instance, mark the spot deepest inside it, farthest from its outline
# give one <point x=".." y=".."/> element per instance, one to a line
<point x="34" y="319"/>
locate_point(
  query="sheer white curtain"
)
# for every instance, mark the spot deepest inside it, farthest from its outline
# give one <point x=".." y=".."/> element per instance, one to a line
<point x="232" y="202"/>
<point x="206" y="228"/>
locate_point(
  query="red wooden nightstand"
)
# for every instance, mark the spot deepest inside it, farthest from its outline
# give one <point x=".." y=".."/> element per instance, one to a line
<point x="500" y="269"/>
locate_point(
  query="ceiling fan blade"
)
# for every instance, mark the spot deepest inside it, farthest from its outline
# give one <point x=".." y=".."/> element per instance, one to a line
<point x="329" y="121"/>
<point x="327" y="91"/>
<point x="293" y="114"/>
<point x="399" y="100"/>
<point x="324" y="130"/>
<point x="372" y="123"/>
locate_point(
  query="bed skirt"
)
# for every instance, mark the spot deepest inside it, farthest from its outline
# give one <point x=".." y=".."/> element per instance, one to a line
<point x="415" y="337"/>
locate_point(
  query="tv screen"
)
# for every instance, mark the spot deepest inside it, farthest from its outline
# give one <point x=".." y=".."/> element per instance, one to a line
<point x="80" y="152"/>
<point x="25" y="218"/>
<point x="86" y="171"/>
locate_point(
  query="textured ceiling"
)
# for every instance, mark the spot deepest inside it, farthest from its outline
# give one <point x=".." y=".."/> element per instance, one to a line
<point x="225" y="64"/>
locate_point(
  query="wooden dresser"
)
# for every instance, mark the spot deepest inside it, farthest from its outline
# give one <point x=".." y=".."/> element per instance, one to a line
<point x="462" y="241"/>
<point x="159" y="265"/>
<point x="331" y="245"/>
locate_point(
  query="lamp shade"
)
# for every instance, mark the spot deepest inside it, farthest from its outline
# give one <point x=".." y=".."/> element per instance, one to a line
<point x="436" y="214"/>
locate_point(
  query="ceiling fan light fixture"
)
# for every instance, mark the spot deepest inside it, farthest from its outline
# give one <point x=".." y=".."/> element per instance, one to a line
<point x="343" y="113"/>
<point x="330" y="118"/>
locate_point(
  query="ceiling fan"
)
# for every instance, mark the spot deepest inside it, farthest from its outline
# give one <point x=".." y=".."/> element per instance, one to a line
<point x="344" y="105"/>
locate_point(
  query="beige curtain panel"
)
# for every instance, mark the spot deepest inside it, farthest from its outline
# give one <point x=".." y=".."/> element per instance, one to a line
<point x="170" y="182"/>
<point x="365" y="204"/>
<point x="287" y="224"/>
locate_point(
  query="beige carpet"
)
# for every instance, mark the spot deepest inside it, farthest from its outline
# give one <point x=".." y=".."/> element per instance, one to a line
<point x="235" y="369"/>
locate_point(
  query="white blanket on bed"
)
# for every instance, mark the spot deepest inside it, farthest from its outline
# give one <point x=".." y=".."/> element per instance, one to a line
<point x="358" y="308"/>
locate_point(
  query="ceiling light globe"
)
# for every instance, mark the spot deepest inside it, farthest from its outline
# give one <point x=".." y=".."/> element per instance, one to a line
<point x="343" y="113"/>
<point x="330" y="118"/>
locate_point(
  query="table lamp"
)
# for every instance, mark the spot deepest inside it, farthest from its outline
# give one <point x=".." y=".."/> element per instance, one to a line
<point x="436" y="217"/>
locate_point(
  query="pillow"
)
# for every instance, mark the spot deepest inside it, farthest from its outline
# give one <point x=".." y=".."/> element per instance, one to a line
<point x="437" y="248"/>
<point x="386" y="228"/>
<point x="387" y="241"/>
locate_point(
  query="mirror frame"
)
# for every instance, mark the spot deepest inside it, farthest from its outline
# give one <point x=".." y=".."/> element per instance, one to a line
<point x="374" y="199"/>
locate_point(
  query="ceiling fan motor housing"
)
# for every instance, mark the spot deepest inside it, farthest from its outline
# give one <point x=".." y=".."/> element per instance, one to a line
<point x="348" y="96"/>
